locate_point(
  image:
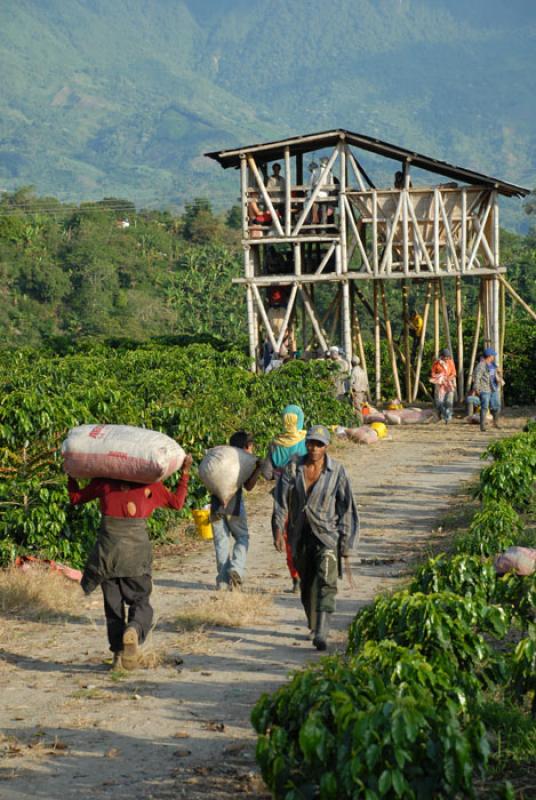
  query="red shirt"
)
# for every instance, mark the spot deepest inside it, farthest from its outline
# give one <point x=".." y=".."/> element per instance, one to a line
<point x="120" y="499"/>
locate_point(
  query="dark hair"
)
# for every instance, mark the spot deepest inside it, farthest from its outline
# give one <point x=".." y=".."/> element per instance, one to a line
<point x="241" y="439"/>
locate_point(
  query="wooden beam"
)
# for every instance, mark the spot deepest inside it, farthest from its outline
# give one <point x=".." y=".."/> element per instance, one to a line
<point x="312" y="316"/>
<point x="444" y="309"/>
<point x="319" y="186"/>
<point x="264" y="317"/>
<point x="407" y="356"/>
<point x="459" y="338"/>
<point x="377" y="347"/>
<point x="436" y="318"/>
<point x="390" y="342"/>
<point x="420" y="352"/>
<point x="400" y="354"/>
<point x="512" y="292"/>
<point x="266" y="197"/>
<point x="476" y="339"/>
<point x="244" y="196"/>
<point x="288" y="187"/>
<point x="286" y="320"/>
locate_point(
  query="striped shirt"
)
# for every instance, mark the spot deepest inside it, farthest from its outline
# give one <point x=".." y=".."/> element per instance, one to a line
<point x="329" y="508"/>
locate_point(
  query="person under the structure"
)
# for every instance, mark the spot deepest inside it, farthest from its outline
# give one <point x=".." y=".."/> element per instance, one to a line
<point x="342" y="376"/>
<point x="230" y="526"/>
<point x="415" y="327"/>
<point x="315" y="495"/>
<point x="121" y="559"/>
<point x="443" y="376"/>
<point x="487" y="384"/>
<point x="286" y="445"/>
<point x="359" y="385"/>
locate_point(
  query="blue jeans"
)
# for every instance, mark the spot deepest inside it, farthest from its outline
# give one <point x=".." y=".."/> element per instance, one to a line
<point x="489" y="400"/>
<point x="230" y="555"/>
<point x="444" y="407"/>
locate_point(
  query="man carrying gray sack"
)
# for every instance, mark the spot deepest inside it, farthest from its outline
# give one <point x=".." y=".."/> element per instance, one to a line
<point x="323" y="526"/>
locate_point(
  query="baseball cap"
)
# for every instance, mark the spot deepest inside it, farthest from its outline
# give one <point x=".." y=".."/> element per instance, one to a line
<point x="489" y="351"/>
<point x="319" y="433"/>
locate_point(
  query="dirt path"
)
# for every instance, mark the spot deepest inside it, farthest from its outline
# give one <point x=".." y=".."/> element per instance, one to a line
<point x="182" y="729"/>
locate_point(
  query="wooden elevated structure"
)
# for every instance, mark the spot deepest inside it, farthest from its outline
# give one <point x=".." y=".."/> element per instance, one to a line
<point x="338" y="228"/>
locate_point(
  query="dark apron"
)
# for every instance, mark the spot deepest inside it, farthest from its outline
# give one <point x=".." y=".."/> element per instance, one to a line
<point x="122" y="550"/>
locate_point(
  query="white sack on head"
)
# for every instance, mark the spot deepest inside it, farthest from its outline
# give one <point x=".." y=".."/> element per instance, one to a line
<point x="225" y="469"/>
<point x="120" y="452"/>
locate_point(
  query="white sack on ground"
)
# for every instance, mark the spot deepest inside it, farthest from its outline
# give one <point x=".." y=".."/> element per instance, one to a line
<point x="122" y="452"/>
<point x="413" y="416"/>
<point x="225" y="469"/>
<point x="362" y="435"/>
<point x="521" y="560"/>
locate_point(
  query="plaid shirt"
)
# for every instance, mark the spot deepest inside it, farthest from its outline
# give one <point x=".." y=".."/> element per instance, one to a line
<point x="329" y="508"/>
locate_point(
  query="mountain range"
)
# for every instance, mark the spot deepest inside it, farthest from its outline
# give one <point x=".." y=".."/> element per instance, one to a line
<point x="122" y="99"/>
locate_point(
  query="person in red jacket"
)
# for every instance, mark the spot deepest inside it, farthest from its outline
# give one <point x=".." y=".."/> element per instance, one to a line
<point x="443" y="376"/>
<point x="121" y="559"/>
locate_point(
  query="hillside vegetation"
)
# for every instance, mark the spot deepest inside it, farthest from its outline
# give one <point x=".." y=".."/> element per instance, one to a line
<point x="124" y="98"/>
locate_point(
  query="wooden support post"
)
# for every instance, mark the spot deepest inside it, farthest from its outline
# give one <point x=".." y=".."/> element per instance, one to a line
<point x="459" y="338"/>
<point x="436" y="318"/>
<point x="377" y="348"/>
<point x="446" y="326"/>
<point x="312" y="316"/>
<point x="426" y="314"/>
<point x="476" y="340"/>
<point x="390" y="342"/>
<point x="244" y="196"/>
<point x="335" y="318"/>
<point x="357" y="333"/>
<point x="407" y="354"/>
<point x="288" y="187"/>
<point x="502" y="323"/>
<point x="400" y="354"/>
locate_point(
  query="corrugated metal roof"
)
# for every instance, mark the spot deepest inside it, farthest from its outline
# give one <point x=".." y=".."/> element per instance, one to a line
<point x="310" y="142"/>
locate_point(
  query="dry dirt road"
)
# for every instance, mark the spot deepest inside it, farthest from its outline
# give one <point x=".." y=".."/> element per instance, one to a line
<point x="71" y="730"/>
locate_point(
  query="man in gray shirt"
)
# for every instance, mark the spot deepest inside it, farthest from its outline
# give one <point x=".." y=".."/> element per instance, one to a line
<point x="314" y="492"/>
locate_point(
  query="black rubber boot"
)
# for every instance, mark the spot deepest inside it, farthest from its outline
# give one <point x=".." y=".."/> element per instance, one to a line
<point x="496" y="416"/>
<point x="320" y="640"/>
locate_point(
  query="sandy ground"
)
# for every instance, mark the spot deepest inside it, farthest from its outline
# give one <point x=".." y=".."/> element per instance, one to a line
<point x="71" y="729"/>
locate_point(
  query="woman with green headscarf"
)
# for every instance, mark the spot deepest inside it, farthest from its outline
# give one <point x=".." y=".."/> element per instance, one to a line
<point x="289" y="443"/>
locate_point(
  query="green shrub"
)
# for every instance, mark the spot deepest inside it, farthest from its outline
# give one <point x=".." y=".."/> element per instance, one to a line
<point x="461" y="574"/>
<point x="385" y="724"/>
<point x="493" y="529"/>
<point x="511" y="476"/>
<point x="446" y="627"/>
<point x="523" y="668"/>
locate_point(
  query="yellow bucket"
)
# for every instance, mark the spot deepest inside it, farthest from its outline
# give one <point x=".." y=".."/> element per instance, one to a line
<point x="202" y="522"/>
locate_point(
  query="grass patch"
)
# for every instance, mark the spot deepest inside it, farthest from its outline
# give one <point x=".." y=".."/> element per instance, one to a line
<point x="224" y="610"/>
<point x="39" y="594"/>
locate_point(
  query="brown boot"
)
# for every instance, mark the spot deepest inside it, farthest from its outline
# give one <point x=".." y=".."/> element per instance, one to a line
<point x="117" y="663"/>
<point x="129" y="656"/>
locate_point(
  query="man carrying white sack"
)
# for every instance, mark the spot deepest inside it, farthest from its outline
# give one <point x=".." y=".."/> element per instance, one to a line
<point x="230" y="525"/>
<point x="121" y="559"/>
<point x="314" y="492"/>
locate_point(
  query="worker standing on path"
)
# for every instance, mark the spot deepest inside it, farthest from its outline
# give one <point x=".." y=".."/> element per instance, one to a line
<point x="284" y="447"/>
<point x="314" y="492"/>
<point x="486" y="383"/>
<point x="230" y="522"/>
<point x="121" y="559"/>
<point x="443" y="376"/>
